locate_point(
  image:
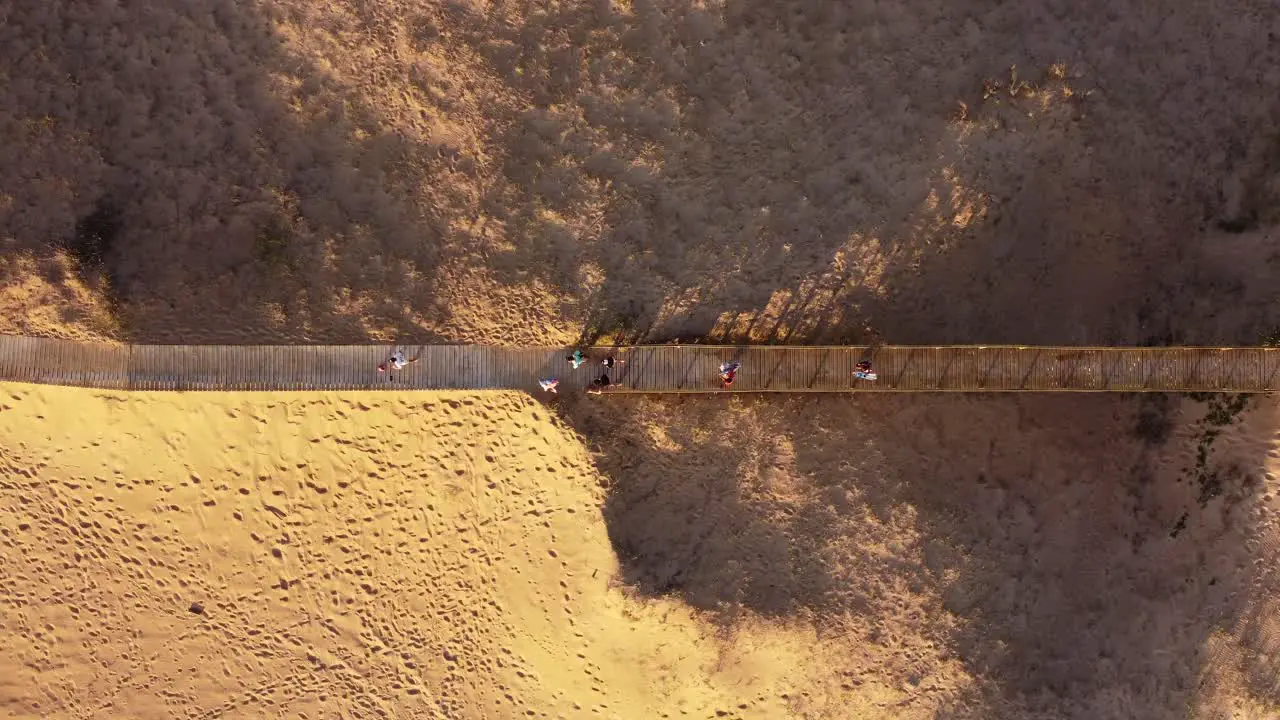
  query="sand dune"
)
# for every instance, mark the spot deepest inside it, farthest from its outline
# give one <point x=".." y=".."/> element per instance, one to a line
<point x="452" y="555"/>
<point x="355" y="555"/>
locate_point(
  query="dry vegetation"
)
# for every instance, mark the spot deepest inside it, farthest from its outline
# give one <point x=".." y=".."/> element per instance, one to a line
<point x="920" y="171"/>
<point x="516" y="172"/>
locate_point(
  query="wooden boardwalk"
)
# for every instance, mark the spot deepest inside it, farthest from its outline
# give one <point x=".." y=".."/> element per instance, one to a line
<point x="648" y="369"/>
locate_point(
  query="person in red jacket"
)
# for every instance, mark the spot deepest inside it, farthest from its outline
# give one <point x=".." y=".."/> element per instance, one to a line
<point x="729" y="373"/>
<point x="862" y="371"/>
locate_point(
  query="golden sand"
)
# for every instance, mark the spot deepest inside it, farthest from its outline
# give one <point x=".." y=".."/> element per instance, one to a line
<point x="453" y="556"/>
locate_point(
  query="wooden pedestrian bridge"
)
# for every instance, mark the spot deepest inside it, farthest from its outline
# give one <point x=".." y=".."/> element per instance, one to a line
<point x="647" y="368"/>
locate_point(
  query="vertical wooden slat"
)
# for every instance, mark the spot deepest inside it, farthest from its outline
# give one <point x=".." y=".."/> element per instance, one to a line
<point x="133" y="362"/>
<point x="327" y="362"/>
<point x="98" y="359"/>
<point x="195" y="380"/>
<point x="146" y="367"/>
<point x="1177" y="369"/>
<point x="1256" y="377"/>
<point x="173" y="355"/>
<point x="1134" y="364"/>
<point x="167" y="359"/>
<point x="662" y="368"/>
<point x="892" y="360"/>
<point x="141" y="373"/>
<point x="224" y="359"/>
<point x="14" y="357"/>
<point x="1269" y="366"/>
<point x="913" y="367"/>
<point x="990" y="370"/>
<point x="1026" y="367"/>
<point x="69" y="363"/>
<point x="232" y="359"/>
<point x="946" y="364"/>
<point x="10" y="351"/>
<point x="87" y="358"/>
<point x="961" y="369"/>
<point x="1137" y="365"/>
<point x="254" y="369"/>
<point x="1238" y="365"/>
<point x="183" y="370"/>
<point x="160" y="368"/>
<point x="244" y="368"/>
<point x="171" y="359"/>
<point x="52" y="371"/>
<point x="120" y="366"/>
<point x="214" y="364"/>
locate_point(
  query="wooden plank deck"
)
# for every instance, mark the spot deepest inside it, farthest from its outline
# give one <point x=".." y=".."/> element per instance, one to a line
<point x="647" y="369"/>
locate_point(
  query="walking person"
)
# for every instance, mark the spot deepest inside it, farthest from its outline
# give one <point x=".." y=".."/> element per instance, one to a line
<point x="576" y="359"/>
<point x="862" y="371"/>
<point x="602" y="383"/>
<point x="729" y="373"/>
<point x="611" y="362"/>
<point x="397" y="361"/>
<point x="549" y="385"/>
